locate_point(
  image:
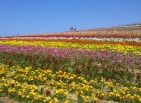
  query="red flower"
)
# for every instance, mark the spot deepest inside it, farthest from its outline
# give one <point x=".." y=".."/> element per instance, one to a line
<point x="63" y="71"/>
<point x="99" y="97"/>
<point x="76" y="68"/>
<point x="59" y="77"/>
<point x="88" y="67"/>
<point x="12" y="85"/>
<point x="86" y="72"/>
<point x="115" y="72"/>
<point x="6" y="93"/>
<point x="79" y="72"/>
<point x="47" y="92"/>
<point x="138" y="77"/>
<point x="105" y="69"/>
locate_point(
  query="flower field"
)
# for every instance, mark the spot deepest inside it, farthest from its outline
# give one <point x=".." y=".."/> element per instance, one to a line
<point x="72" y="67"/>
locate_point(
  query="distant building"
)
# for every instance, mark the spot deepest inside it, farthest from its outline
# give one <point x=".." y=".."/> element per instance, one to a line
<point x="73" y="28"/>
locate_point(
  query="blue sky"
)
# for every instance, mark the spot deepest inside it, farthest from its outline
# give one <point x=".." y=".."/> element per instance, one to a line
<point x="44" y="16"/>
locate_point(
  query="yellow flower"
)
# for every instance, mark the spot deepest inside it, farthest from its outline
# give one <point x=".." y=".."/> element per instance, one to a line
<point x="76" y="93"/>
<point x="102" y="94"/>
<point x="114" y="91"/>
<point x="70" y="95"/>
<point x="55" y="100"/>
<point x="44" y="100"/>
<point x="132" y="97"/>
<point x="91" y="81"/>
<point x="71" y="77"/>
<point x="86" y="100"/>
<point x="83" y="96"/>
<point x="19" y="93"/>
<point x="102" y="80"/>
<point x="122" y="91"/>
<point x="111" y="93"/>
<point x="44" y="78"/>
<point x="66" y="93"/>
<point x="125" y="88"/>
<point x="47" y="98"/>
<point x="117" y="95"/>
<point x="87" y="97"/>
<point x="50" y="102"/>
<point x="23" y="96"/>
<point x="85" y="81"/>
<point x="36" y="98"/>
<point x="140" y="99"/>
<point x="139" y="89"/>
<point x="27" y="96"/>
<point x="56" y="91"/>
<point x="127" y="95"/>
<point x="94" y="98"/>
<point x="32" y="93"/>
<point x="66" y="101"/>
<point x="6" y="85"/>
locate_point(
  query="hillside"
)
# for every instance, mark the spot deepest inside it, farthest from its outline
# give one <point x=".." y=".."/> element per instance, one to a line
<point x="117" y="30"/>
<point x="135" y="26"/>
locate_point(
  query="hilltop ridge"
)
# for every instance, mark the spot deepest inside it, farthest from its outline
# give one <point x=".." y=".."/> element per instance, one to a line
<point x="134" y="26"/>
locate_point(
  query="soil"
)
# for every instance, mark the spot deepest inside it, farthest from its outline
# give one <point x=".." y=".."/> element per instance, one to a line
<point x="7" y="100"/>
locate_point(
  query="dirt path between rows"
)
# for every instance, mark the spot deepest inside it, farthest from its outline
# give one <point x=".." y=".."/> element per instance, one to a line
<point x="7" y="100"/>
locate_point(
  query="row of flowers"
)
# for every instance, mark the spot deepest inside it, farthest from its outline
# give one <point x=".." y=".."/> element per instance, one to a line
<point x="31" y="53"/>
<point x="33" y="86"/>
<point x="114" y="46"/>
<point x="132" y="42"/>
<point x="89" y="34"/>
<point x="78" y="38"/>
